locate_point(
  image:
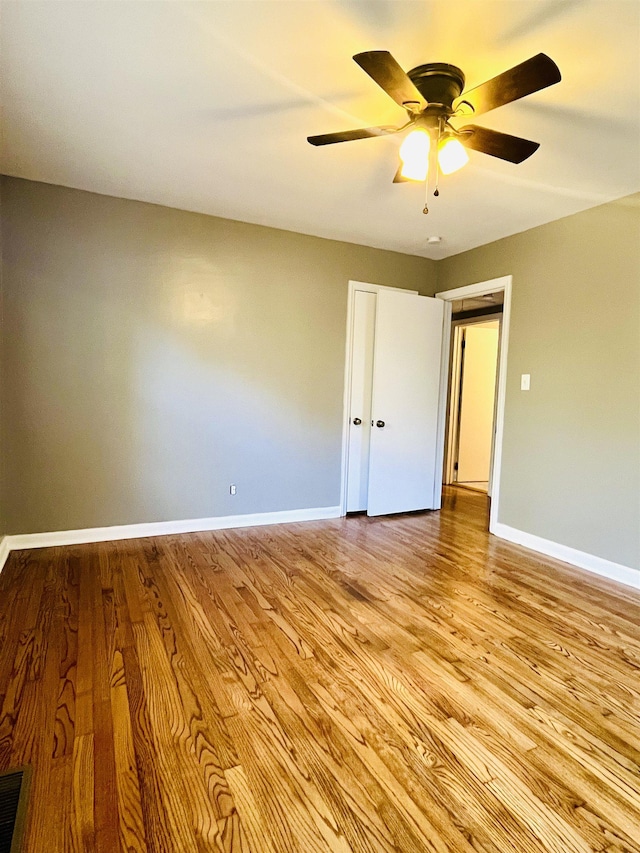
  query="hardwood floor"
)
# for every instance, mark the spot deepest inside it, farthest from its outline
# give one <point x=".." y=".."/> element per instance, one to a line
<point x="394" y="684"/>
<point x="476" y="485"/>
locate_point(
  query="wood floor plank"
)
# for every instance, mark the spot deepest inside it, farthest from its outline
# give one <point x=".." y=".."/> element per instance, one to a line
<point x="405" y="684"/>
<point x="130" y="819"/>
<point x="81" y="817"/>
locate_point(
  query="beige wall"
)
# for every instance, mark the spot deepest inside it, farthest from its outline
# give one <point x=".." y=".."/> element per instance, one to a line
<point x="571" y="453"/>
<point x="152" y="357"/>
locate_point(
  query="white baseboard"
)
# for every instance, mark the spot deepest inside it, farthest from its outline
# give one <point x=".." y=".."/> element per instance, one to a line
<point x="597" y="565"/>
<point x="161" y="528"/>
<point x="4" y="551"/>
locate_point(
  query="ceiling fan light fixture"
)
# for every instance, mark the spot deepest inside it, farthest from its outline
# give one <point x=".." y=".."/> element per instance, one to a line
<point x="414" y="153"/>
<point x="432" y="94"/>
<point x="451" y="155"/>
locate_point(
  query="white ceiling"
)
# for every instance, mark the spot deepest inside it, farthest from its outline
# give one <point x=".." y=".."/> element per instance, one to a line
<point x="206" y="106"/>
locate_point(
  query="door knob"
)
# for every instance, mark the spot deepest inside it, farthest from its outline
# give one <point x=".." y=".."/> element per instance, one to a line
<point x="379" y="423"/>
<point x="356" y="422"/>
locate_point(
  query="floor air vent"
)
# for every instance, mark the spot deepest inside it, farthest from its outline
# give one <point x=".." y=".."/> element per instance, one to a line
<point x="14" y="788"/>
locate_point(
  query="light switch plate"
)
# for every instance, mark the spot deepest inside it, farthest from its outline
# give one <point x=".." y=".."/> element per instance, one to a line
<point x="525" y="382"/>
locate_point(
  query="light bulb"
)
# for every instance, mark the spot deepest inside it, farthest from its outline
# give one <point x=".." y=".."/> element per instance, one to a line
<point x="414" y="153"/>
<point x="451" y="155"/>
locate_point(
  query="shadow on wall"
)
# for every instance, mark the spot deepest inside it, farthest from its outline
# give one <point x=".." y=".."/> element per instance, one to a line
<point x="155" y="357"/>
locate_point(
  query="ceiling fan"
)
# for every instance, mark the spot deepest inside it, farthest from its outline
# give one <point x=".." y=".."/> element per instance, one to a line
<point x="433" y="95"/>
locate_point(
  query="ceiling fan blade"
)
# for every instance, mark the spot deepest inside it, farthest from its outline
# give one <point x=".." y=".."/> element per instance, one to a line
<point x="382" y="67"/>
<point x="349" y="135"/>
<point x="530" y="76"/>
<point x="502" y="145"/>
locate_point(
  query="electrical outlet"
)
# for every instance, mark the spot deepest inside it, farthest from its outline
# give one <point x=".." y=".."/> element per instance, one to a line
<point x="232" y="489"/>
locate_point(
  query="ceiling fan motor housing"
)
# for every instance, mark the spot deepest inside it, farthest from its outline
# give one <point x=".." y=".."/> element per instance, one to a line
<point x="439" y="84"/>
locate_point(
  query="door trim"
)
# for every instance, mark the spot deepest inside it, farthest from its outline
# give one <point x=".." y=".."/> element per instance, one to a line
<point x="348" y="355"/>
<point x="491" y="286"/>
<point x="454" y="407"/>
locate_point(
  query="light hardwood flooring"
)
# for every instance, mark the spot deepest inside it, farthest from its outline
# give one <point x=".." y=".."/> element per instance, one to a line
<point x="395" y="684"/>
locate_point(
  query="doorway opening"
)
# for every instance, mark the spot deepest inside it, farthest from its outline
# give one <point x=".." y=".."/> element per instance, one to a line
<point x="474" y="387"/>
<point x="397" y="395"/>
<point x="473" y="372"/>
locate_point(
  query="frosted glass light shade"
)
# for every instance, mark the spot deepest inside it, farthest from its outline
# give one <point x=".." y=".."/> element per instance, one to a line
<point x="414" y="153"/>
<point x="451" y="156"/>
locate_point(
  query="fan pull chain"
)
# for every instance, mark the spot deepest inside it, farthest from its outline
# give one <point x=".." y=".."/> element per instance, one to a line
<point x="436" y="191"/>
<point x="434" y="163"/>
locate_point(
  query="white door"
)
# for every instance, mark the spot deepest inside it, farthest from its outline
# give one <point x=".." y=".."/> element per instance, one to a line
<point x="364" y="318"/>
<point x="406" y="385"/>
<point x="477" y="403"/>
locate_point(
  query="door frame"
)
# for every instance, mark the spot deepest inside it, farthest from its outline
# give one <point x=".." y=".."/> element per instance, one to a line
<point x="348" y="356"/>
<point x="480" y="288"/>
<point x="453" y="402"/>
